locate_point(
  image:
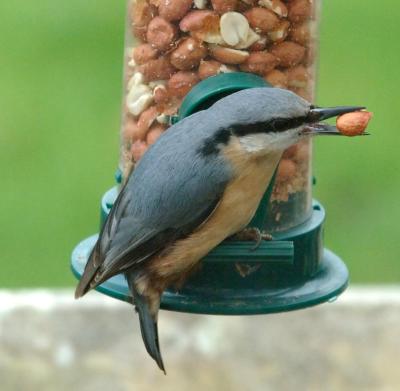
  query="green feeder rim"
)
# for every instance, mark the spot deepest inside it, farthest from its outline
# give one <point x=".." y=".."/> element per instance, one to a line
<point x="330" y="281"/>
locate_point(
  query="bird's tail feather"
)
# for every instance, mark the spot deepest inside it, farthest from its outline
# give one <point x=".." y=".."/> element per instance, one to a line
<point x="91" y="268"/>
<point x="148" y="328"/>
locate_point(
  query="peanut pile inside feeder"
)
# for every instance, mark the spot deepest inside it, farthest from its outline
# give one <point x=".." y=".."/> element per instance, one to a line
<point x="172" y="45"/>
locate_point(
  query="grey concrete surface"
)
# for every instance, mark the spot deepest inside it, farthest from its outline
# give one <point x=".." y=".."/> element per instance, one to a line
<point x="50" y="342"/>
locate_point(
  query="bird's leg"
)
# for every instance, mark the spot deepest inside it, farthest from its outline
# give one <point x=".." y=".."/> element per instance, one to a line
<point x="251" y="234"/>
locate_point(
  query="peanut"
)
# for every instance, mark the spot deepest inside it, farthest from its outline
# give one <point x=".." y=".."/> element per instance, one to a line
<point x="205" y="20"/>
<point x="298" y="153"/>
<point x="229" y="68"/>
<point x="155" y="132"/>
<point x="303" y="151"/>
<point x="309" y="57"/>
<point x="163" y="119"/>
<point x="213" y="37"/>
<point x="259" y="45"/>
<point x="277" y="78"/>
<point x="262" y="20"/>
<point x="136" y="79"/>
<point x="209" y="68"/>
<point x="161" y="94"/>
<point x="139" y="99"/>
<point x="138" y="149"/>
<point x="251" y="38"/>
<point x="234" y="28"/>
<point x="156" y="83"/>
<point x="181" y="83"/>
<point x="298" y="77"/>
<point x="142" y="13"/>
<point x="227" y="55"/>
<point x="280" y="33"/>
<point x="222" y="6"/>
<point x="299" y="10"/>
<point x="156" y="3"/>
<point x="172" y="106"/>
<point x="143" y="53"/>
<point x="259" y="62"/>
<point x="200" y="4"/>
<point x="161" y="34"/>
<point x="160" y="68"/>
<point x="243" y="6"/>
<point x="290" y="152"/>
<point x="286" y="170"/>
<point x="353" y="124"/>
<point x="174" y="10"/>
<point x="288" y="53"/>
<point x="300" y="33"/>
<point x="276" y="6"/>
<point x="146" y="119"/>
<point x="130" y="130"/>
<point x="137" y="132"/>
<point x="203" y="25"/>
<point x="305" y="93"/>
<point x="188" y="54"/>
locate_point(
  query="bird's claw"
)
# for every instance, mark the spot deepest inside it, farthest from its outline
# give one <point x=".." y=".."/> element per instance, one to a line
<point x="253" y="234"/>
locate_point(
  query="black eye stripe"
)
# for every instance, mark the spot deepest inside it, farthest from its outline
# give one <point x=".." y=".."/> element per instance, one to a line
<point x="273" y="125"/>
<point x="282" y="124"/>
<point x="212" y="144"/>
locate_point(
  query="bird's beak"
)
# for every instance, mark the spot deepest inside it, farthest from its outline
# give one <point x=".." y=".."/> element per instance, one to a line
<point x="318" y="114"/>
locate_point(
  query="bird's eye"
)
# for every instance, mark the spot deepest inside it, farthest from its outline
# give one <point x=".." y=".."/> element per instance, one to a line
<point x="279" y="124"/>
<point x="282" y="124"/>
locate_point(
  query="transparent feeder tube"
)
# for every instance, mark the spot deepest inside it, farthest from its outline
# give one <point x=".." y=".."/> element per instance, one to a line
<point x="171" y="45"/>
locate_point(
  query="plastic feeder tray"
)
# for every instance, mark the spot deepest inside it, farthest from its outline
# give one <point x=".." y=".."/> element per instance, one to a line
<point x="291" y="272"/>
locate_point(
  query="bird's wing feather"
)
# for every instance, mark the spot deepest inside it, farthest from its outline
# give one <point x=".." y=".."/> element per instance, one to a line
<point x="151" y="242"/>
<point x="166" y="198"/>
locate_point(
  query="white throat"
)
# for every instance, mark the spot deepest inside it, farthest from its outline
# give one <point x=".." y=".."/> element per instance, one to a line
<point x="268" y="142"/>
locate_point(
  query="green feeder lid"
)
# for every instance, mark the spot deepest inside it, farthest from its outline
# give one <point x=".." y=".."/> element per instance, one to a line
<point x="291" y="272"/>
<point x="210" y="90"/>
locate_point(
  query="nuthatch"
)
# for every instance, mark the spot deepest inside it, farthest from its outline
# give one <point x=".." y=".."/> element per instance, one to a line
<point x="200" y="183"/>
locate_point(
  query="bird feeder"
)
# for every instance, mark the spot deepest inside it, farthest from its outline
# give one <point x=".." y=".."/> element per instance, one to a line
<point x="181" y="56"/>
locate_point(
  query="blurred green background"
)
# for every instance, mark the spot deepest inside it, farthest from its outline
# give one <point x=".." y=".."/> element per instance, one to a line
<point x="60" y="92"/>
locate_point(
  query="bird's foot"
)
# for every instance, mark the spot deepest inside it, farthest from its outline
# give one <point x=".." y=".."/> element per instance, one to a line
<point x="252" y="234"/>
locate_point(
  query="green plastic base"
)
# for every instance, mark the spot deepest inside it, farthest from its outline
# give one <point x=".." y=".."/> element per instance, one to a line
<point x="330" y="281"/>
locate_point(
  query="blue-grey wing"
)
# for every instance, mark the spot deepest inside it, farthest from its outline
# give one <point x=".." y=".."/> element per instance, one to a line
<point x="171" y="192"/>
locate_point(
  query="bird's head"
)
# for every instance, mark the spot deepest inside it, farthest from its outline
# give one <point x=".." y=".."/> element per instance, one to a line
<point x="275" y="119"/>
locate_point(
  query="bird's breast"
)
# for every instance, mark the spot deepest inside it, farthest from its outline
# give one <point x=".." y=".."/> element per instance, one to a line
<point x="239" y="202"/>
<point x="252" y="174"/>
